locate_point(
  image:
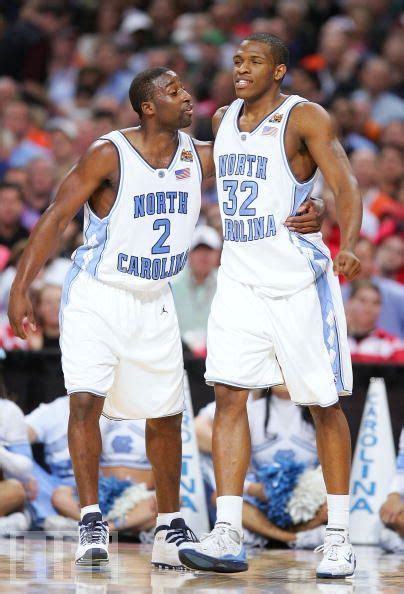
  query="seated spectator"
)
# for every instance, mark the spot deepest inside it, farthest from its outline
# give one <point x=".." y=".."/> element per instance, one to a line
<point x="368" y="343"/>
<point x="47" y="425"/>
<point x="28" y="141"/>
<point x="390" y="258"/>
<point x="117" y="77"/>
<point x="63" y="135"/>
<point x="15" y="468"/>
<point x="46" y="312"/>
<point x="125" y="468"/>
<point x="392" y="510"/>
<point x="11" y="207"/>
<point x="41" y="185"/>
<point x="392" y="306"/>
<point x="344" y="116"/>
<point x="123" y="465"/>
<point x="390" y="169"/>
<point x="376" y="82"/>
<point x="195" y="288"/>
<point x="280" y="431"/>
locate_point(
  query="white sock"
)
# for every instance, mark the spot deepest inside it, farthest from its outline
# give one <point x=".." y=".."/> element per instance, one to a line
<point x="166" y="519"/>
<point x="338" y="511"/>
<point x="89" y="509"/>
<point x="230" y="510"/>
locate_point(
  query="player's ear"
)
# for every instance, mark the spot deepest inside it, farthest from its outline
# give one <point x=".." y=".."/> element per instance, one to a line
<point x="148" y="108"/>
<point x="280" y="72"/>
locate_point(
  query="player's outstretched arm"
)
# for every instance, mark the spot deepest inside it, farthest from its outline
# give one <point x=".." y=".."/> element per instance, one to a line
<point x="205" y="153"/>
<point x="317" y="132"/>
<point x="95" y="166"/>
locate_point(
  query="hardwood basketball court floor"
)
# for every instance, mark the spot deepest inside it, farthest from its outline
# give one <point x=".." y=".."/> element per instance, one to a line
<point x="38" y="566"/>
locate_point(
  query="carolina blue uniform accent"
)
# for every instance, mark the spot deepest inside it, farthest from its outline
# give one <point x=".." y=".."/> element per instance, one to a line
<point x="70" y="277"/>
<point x="96" y="234"/>
<point x="23" y="448"/>
<point x="42" y="507"/>
<point x="300" y="194"/>
<point x="122" y="443"/>
<point x="327" y="308"/>
<point x="159" y="247"/>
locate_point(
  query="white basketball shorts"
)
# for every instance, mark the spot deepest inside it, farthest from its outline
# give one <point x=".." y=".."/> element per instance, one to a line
<point x="255" y="341"/>
<point x="123" y="346"/>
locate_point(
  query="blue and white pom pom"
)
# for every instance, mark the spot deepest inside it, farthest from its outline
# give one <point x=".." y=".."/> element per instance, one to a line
<point x="308" y="495"/>
<point x="279" y="480"/>
<point x="129" y="498"/>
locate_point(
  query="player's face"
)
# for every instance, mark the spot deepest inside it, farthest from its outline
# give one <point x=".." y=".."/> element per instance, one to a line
<point x="254" y="70"/>
<point x="172" y="102"/>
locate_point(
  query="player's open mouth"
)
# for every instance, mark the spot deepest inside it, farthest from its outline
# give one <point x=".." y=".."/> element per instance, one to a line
<point x="242" y="83"/>
<point x="189" y="110"/>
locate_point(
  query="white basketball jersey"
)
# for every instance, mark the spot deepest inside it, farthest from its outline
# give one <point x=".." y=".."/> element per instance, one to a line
<point x="144" y="240"/>
<point x="257" y="191"/>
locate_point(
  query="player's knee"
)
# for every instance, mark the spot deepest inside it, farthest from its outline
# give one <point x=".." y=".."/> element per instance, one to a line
<point x="323" y="414"/>
<point x="164" y="424"/>
<point x="85" y="407"/>
<point x="230" y="401"/>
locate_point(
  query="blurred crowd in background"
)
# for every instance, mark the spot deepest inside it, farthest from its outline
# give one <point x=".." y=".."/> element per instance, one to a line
<point x="65" y="71"/>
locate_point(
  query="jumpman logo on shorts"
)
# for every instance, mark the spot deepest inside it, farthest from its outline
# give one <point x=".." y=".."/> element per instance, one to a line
<point x="163" y="310"/>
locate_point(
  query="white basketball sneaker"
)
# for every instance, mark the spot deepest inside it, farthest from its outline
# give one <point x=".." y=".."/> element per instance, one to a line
<point x="167" y="541"/>
<point x="338" y="556"/>
<point x="93" y="541"/>
<point x="221" y="551"/>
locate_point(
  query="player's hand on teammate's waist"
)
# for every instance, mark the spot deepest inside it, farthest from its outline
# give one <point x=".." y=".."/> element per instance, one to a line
<point x="308" y="219"/>
<point x="347" y="264"/>
<point x="21" y="314"/>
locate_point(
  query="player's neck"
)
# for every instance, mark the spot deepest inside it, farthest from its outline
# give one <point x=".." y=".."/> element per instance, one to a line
<point x="160" y="140"/>
<point x="267" y="103"/>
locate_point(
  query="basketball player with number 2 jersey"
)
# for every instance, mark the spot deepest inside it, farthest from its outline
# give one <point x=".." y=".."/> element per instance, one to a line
<point x="277" y="315"/>
<point x="121" y="349"/>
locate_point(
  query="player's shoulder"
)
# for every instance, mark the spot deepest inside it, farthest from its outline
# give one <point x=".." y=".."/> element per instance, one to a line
<point x="219" y="113"/>
<point x="310" y="119"/>
<point x="308" y="111"/>
<point x="218" y="117"/>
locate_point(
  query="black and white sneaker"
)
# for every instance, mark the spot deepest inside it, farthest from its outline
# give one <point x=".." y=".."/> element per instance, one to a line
<point x="167" y="540"/>
<point x="93" y="541"/>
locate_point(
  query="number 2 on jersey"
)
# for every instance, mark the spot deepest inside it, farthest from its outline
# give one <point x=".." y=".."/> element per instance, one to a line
<point x="230" y="207"/>
<point x="159" y="247"/>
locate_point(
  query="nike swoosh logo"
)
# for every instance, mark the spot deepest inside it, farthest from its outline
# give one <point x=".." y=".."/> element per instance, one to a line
<point x="349" y="559"/>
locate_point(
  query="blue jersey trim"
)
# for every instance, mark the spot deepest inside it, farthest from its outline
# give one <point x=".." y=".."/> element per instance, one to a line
<point x="67" y="287"/>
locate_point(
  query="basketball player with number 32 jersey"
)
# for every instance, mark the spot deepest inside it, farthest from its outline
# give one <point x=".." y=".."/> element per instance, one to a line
<point x="277" y="315"/>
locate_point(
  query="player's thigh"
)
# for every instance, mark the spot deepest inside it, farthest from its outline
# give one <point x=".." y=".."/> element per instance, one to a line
<point x="240" y="349"/>
<point x="89" y="333"/>
<point x="149" y="379"/>
<point x="308" y="345"/>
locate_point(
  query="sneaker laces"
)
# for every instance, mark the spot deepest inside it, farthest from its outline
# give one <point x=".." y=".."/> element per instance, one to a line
<point x="217" y="535"/>
<point x="330" y="548"/>
<point x="95" y="532"/>
<point x="180" y="535"/>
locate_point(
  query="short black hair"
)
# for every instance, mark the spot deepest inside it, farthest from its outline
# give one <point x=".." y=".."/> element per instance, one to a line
<point x="279" y="49"/>
<point x="4" y="185"/>
<point x="141" y="88"/>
